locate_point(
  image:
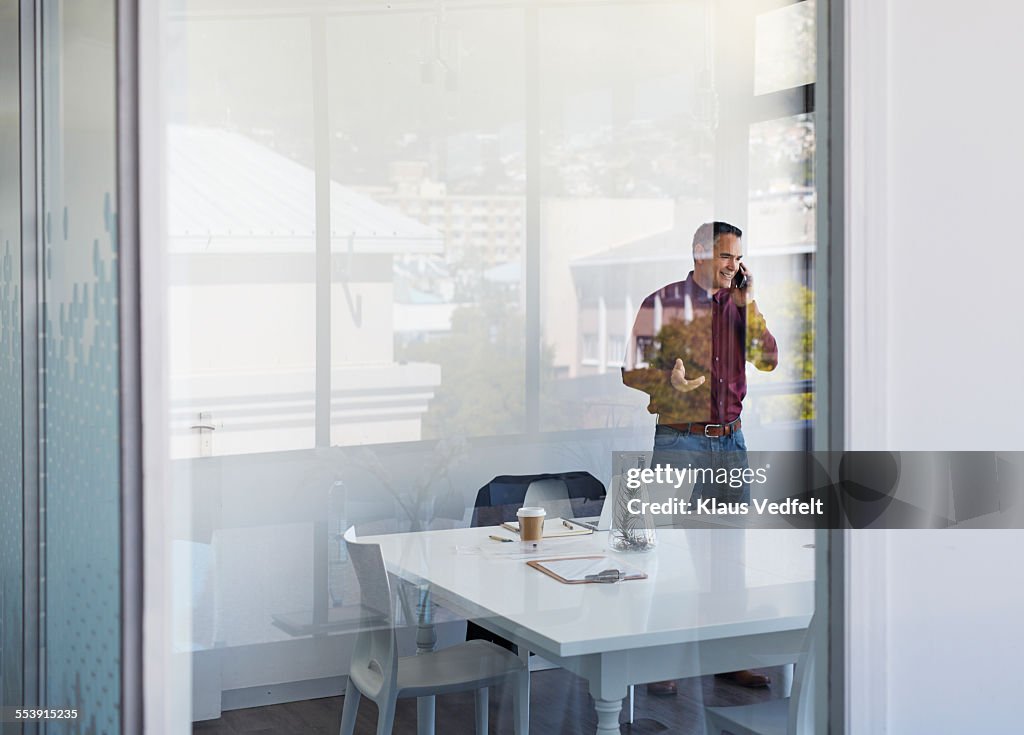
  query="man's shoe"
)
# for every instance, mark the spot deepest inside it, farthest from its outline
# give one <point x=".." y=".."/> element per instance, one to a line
<point x="662" y="688"/>
<point x="746" y="678"/>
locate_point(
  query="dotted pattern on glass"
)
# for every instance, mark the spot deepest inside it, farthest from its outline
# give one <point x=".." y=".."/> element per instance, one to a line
<point x="82" y="460"/>
<point x="10" y="472"/>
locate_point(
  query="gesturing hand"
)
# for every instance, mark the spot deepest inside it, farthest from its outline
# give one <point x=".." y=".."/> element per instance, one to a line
<point x="679" y="381"/>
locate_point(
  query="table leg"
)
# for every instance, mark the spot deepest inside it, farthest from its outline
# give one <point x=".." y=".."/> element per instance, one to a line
<point x="426" y="641"/>
<point x="608" y="687"/>
<point x="522" y="698"/>
<point x="608" y="715"/>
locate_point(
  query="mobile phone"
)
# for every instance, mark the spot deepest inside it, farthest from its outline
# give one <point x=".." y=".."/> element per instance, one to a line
<point x="740" y="279"/>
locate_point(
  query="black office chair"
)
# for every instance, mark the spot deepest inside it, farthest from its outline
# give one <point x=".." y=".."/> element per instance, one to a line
<point x="498" y="501"/>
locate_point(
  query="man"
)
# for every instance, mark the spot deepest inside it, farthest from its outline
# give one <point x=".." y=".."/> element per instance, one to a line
<point x="688" y="352"/>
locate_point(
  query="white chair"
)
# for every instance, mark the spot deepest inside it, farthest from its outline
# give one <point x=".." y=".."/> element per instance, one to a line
<point x="792" y="715"/>
<point x="552" y="495"/>
<point x="378" y="673"/>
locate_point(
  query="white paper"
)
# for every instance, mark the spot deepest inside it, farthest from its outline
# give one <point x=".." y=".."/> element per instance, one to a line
<point x="579" y="569"/>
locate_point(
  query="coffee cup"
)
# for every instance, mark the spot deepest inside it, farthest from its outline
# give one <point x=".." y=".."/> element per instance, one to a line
<point x="531" y="523"/>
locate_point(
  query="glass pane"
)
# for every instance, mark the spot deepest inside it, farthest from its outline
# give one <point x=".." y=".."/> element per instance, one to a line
<point x="626" y="159"/>
<point x="785" y="48"/>
<point x="505" y="185"/>
<point x="240" y="232"/>
<point x="80" y="363"/>
<point x="426" y="119"/>
<point x="782" y="216"/>
<point x="641" y="144"/>
<point x="11" y="578"/>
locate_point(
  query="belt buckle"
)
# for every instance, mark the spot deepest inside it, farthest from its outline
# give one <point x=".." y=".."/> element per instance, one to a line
<point x="709" y="426"/>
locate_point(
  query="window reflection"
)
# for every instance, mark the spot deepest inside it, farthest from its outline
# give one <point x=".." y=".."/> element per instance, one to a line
<point x="433" y="197"/>
<point x="782" y="213"/>
<point x="505" y="185"/>
<point x="785" y="44"/>
<point x="427" y="113"/>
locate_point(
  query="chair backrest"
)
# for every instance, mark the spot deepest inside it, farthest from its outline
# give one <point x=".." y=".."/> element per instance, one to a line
<point x="375" y="658"/>
<point x="552" y="495"/>
<point x="801" y="699"/>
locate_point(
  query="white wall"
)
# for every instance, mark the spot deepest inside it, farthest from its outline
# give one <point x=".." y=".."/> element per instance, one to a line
<point x="935" y="181"/>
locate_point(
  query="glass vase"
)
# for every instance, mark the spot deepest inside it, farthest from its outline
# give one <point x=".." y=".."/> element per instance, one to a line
<point x="632" y="521"/>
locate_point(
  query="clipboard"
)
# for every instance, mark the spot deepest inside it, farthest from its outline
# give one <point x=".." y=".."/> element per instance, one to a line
<point x="576" y="573"/>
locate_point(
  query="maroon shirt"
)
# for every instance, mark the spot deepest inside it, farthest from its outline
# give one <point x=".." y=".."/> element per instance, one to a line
<point x="713" y="336"/>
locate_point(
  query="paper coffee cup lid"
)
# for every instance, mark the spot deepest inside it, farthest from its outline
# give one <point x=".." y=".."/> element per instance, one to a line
<point x="529" y="512"/>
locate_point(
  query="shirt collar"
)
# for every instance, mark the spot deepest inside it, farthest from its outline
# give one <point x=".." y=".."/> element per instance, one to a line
<point x="699" y="295"/>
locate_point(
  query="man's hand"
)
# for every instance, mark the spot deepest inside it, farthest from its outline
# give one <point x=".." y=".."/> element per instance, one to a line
<point x="679" y="381"/>
<point x="745" y="295"/>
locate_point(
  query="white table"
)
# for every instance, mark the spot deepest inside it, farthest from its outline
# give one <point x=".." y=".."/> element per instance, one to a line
<point x="715" y="600"/>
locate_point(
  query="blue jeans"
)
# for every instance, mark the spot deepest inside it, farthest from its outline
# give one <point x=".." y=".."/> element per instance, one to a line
<point x="678" y="449"/>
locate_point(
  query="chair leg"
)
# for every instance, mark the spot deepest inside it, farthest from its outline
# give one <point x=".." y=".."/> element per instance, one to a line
<point x="786" y="685"/>
<point x="350" y="709"/>
<point x="425" y="715"/>
<point x="385" y="715"/>
<point x="521" y="701"/>
<point x="480" y="696"/>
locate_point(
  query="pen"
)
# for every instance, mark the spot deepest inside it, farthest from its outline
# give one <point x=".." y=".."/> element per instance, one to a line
<point x="500" y="538"/>
<point x="567" y="525"/>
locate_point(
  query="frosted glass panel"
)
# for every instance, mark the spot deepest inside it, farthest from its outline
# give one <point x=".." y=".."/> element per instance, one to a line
<point x="79" y="356"/>
<point x="10" y="368"/>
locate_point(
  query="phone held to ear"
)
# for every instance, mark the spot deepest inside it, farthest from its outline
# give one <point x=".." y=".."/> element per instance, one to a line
<point x="740" y="279"/>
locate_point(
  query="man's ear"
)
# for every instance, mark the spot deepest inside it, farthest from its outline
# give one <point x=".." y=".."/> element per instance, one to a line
<point x="700" y="253"/>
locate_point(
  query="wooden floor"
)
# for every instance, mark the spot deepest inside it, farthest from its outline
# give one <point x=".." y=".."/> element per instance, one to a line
<point x="559" y="705"/>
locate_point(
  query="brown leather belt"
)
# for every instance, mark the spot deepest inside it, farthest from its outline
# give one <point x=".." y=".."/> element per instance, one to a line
<point x="713" y="430"/>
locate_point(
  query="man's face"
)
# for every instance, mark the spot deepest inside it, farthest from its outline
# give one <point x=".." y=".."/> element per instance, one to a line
<point x="724" y="262"/>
